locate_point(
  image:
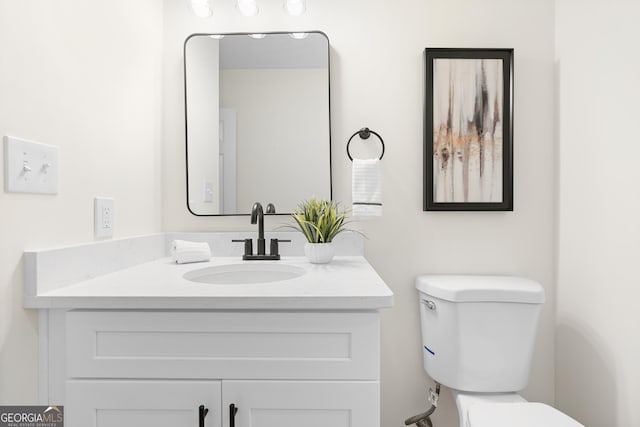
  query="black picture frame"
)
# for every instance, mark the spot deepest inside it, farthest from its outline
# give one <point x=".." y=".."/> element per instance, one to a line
<point x="457" y="149"/>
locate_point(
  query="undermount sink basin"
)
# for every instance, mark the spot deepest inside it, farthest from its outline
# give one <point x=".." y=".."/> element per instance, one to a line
<point x="237" y="274"/>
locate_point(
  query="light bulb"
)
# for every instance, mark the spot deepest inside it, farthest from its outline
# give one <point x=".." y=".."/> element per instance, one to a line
<point x="247" y="7"/>
<point x="295" y="7"/>
<point x="201" y="8"/>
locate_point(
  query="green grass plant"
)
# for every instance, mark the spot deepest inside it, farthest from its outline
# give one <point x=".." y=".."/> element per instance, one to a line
<point x="319" y="220"/>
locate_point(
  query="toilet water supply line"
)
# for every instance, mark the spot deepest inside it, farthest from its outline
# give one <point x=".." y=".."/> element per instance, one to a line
<point x="424" y="419"/>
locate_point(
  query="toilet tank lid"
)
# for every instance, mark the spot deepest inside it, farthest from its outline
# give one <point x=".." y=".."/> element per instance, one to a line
<point x="470" y="288"/>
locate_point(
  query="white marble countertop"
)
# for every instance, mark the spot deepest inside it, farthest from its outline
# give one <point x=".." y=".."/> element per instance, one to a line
<point x="347" y="283"/>
<point x="135" y="273"/>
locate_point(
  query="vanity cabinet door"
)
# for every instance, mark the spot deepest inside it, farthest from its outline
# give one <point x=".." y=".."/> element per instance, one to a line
<point x="301" y="403"/>
<point x="106" y="403"/>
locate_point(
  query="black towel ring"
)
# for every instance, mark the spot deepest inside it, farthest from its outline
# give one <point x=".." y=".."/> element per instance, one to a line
<point x="365" y="133"/>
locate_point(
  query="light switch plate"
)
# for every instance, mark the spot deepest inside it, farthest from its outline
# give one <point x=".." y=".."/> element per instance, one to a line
<point x="104" y="215"/>
<point x="30" y="167"/>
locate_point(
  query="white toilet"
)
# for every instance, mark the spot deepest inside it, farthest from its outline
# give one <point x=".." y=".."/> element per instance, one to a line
<point x="477" y="336"/>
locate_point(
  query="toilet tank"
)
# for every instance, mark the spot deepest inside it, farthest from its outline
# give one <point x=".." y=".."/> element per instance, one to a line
<point x="478" y="332"/>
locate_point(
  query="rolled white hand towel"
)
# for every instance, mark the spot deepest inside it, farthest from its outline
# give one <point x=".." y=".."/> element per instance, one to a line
<point x="183" y="251"/>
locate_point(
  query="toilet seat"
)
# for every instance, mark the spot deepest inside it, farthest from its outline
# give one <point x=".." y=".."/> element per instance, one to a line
<point x="521" y="414"/>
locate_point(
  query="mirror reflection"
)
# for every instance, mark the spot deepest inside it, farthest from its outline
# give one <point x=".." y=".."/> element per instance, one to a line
<point x="257" y="115"/>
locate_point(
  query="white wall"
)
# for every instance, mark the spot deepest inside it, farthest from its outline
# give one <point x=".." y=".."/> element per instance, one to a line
<point x="296" y="97"/>
<point x="598" y="374"/>
<point x="203" y="96"/>
<point x="85" y="76"/>
<point x="377" y="80"/>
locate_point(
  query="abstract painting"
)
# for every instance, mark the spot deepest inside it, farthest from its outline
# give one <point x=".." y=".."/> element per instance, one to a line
<point x="468" y="130"/>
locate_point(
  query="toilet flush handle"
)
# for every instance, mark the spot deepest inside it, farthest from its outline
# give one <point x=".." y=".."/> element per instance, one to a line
<point x="430" y="304"/>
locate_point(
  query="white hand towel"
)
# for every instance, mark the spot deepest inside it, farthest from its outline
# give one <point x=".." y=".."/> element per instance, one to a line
<point x="366" y="187"/>
<point x="184" y="252"/>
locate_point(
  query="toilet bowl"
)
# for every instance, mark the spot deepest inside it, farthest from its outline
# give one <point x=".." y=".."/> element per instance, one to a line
<point x="477" y="339"/>
<point x="507" y="410"/>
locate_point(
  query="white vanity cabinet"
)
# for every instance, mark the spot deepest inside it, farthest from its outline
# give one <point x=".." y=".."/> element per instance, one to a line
<point x="156" y="367"/>
<point x="126" y="339"/>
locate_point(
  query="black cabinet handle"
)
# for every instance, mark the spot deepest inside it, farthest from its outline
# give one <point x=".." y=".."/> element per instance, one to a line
<point x="233" y="410"/>
<point x="202" y="413"/>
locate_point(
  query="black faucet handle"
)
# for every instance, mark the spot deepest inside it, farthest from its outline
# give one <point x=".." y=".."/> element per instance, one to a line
<point x="275" y="248"/>
<point x="248" y="245"/>
<point x="271" y="209"/>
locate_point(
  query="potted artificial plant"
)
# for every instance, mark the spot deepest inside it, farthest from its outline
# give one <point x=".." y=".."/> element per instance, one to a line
<point x="320" y="221"/>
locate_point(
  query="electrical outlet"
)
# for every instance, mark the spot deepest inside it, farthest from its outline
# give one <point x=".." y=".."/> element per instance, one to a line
<point x="104" y="215"/>
<point x="208" y="192"/>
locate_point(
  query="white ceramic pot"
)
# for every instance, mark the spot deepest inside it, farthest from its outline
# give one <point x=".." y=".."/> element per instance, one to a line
<point x="319" y="253"/>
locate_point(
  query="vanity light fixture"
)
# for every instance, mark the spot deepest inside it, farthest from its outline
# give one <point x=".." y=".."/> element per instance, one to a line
<point x="202" y="8"/>
<point x="298" y="36"/>
<point x="295" y="7"/>
<point x="257" y="36"/>
<point x="247" y="7"/>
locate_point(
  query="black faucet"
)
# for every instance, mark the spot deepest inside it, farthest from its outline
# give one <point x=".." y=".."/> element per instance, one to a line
<point x="257" y="217"/>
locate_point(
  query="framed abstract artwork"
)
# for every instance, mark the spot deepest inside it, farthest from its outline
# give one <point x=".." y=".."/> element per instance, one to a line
<point x="468" y="141"/>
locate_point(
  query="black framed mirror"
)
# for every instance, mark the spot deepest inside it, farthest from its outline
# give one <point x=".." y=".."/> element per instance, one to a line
<point x="257" y="121"/>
